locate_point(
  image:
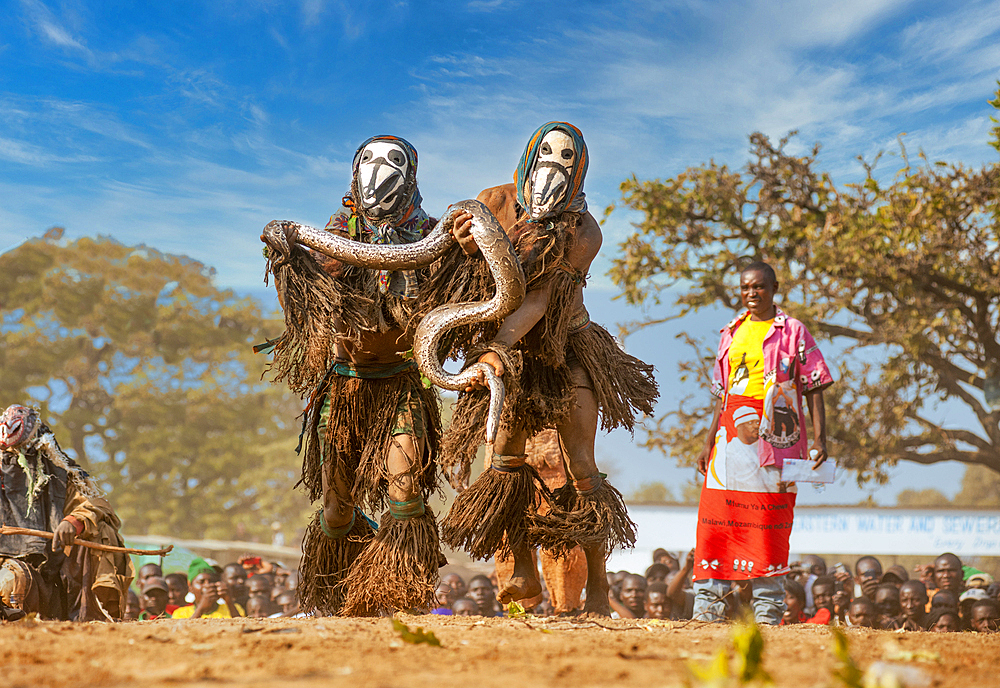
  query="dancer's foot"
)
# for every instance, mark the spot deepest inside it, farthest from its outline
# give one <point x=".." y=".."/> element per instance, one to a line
<point x="597" y="607"/>
<point x="523" y="582"/>
<point x="519" y="587"/>
<point x="597" y="603"/>
<point x="11" y="613"/>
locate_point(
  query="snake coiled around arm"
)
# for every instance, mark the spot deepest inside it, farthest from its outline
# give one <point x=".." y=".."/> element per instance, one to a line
<point x="497" y="251"/>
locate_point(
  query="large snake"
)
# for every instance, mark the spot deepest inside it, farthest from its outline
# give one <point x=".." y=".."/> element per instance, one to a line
<point x="500" y="258"/>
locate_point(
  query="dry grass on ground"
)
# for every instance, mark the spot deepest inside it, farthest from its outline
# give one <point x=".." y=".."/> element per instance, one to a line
<point x="474" y="653"/>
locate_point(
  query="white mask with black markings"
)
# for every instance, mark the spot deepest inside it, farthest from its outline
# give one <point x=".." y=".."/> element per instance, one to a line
<point x="551" y="173"/>
<point x="383" y="169"/>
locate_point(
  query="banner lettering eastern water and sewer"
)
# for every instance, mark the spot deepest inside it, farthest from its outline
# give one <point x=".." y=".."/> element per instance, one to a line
<point x="830" y="530"/>
<point x="743" y="535"/>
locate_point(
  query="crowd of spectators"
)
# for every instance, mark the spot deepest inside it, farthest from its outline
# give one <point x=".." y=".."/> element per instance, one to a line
<point x="941" y="596"/>
<point x="249" y="587"/>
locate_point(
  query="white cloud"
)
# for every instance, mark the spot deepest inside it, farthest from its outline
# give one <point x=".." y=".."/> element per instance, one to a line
<point x="27" y="153"/>
<point x="311" y="11"/>
<point x="954" y="33"/>
<point x="50" y="29"/>
<point x="490" y="5"/>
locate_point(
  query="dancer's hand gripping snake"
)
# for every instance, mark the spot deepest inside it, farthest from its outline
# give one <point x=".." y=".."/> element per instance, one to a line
<point x="565" y="373"/>
<point x="372" y="429"/>
<point x="475" y="219"/>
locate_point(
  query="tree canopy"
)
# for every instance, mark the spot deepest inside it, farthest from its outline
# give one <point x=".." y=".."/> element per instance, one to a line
<point x="903" y="272"/>
<point x="145" y="372"/>
<point x="980" y="489"/>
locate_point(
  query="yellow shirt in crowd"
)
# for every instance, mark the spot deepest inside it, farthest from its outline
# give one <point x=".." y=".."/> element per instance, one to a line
<point x="221" y="612"/>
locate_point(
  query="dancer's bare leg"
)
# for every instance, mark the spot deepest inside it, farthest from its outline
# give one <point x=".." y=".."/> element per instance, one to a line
<point x="577" y="435"/>
<point x="523" y="582"/>
<point x="338" y="510"/>
<point x="403" y="464"/>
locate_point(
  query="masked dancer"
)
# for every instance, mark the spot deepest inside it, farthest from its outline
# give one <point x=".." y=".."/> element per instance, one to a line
<point x="41" y="488"/>
<point x="562" y="371"/>
<point x="371" y="428"/>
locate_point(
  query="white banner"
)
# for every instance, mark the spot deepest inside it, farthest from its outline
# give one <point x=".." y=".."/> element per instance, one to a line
<point x="830" y="530"/>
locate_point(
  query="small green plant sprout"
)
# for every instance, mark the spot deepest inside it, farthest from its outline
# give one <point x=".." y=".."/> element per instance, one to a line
<point x="516" y="611"/>
<point x="746" y="667"/>
<point x="846" y="672"/>
<point x="749" y="659"/>
<point x="416" y="637"/>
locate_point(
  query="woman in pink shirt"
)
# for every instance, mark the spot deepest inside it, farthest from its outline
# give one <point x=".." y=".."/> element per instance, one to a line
<point x="766" y="363"/>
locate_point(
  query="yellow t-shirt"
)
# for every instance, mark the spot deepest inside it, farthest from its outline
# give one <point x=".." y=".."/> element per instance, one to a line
<point x="221" y="612"/>
<point x="746" y="359"/>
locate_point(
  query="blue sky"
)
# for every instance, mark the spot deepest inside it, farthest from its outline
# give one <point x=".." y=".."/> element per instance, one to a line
<point x="190" y="125"/>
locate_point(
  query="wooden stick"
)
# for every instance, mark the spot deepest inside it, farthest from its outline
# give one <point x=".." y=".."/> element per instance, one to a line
<point x="11" y="530"/>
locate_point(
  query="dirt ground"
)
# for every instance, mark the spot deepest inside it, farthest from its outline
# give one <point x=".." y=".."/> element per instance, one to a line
<point x="473" y="652"/>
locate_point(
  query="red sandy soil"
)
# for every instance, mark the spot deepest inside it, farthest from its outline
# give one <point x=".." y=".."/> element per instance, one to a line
<point x="474" y="652"/>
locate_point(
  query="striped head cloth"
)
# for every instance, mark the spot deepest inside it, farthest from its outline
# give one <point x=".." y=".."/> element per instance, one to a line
<point x="550" y="175"/>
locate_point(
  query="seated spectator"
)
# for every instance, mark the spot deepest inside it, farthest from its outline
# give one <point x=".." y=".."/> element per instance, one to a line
<point x="633" y="597"/>
<point x="795" y="603"/>
<point x="289" y="603"/>
<point x="813" y="566"/>
<point x="177" y="590"/>
<point x="913" y="603"/>
<point x="260" y="586"/>
<point x="948" y="574"/>
<point x="861" y="613"/>
<point x="943" y="620"/>
<point x="457" y="585"/>
<point x="465" y="607"/>
<point x="680" y="590"/>
<point x="234" y="577"/>
<point x="208" y="591"/>
<point x="965" y="602"/>
<point x="816" y="565"/>
<point x="896" y="575"/>
<point x="657" y="573"/>
<point x="258" y="607"/>
<point x="150" y="570"/>
<point x="944" y="598"/>
<point x="482" y="592"/>
<point x="887" y="607"/>
<point x="154" y="600"/>
<point x="657" y="603"/>
<point x="442" y="595"/>
<point x="279" y="575"/>
<point x="662" y="556"/>
<point x="823" y="590"/>
<point x="867" y="574"/>
<point x="132" y="607"/>
<point x="985" y="616"/>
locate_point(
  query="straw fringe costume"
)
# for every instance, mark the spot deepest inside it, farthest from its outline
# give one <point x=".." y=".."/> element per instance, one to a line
<point x="356" y="412"/>
<point x="40" y="488"/>
<point x="565" y="576"/>
<point x="499" y="512"/>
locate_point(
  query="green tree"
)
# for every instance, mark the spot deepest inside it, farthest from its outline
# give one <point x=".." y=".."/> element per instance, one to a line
<point x="904" y="273"/>
<point x="145" y="372"/>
